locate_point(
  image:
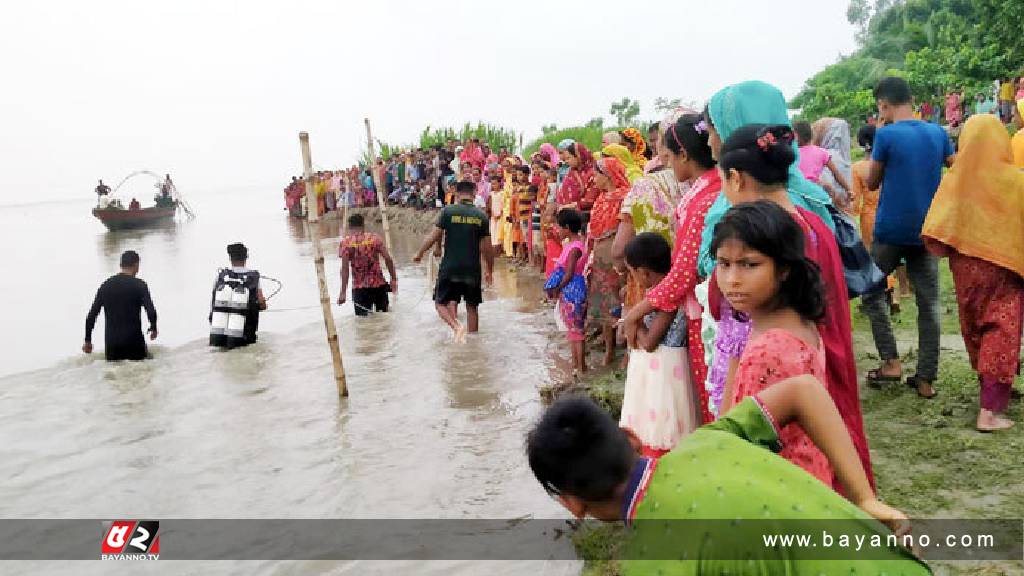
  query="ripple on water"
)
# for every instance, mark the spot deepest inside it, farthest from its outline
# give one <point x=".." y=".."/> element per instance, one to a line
<point x="431" y="429"/>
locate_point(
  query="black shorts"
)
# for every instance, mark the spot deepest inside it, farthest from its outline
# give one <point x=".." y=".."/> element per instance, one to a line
<point x="454" y="291"/>
<point x="366" y="300"/>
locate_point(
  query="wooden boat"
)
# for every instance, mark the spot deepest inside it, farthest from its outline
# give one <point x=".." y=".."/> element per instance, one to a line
<point x="112" y="213"/>
<point x="121" y="219"/>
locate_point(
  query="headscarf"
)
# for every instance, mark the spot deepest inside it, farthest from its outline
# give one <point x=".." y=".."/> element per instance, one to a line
<point x="756" y="102"/>
<point x="549" y="153"/>
<point x="654" y="164"/>
<point x="577" y="181"/>
<point x="979" y="206"/>
<point x="585" y="155"/>
<point x="639" y="145"/>
<point x="564" y="144"/>
<point x="1018" y="140"/>
<point x="604" y="217"/>
<point x="833" y="134"/>
<point x="621" y="153"/>
<point x="611" y="137"/>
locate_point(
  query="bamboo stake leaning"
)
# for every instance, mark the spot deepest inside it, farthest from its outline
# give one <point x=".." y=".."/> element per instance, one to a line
<point x="312" y="219"/>
<point x="379" y="184"/>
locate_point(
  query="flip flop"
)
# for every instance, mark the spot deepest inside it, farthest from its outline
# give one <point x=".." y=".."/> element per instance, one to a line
<point x="912" y="382"/>
<point x="875" y="378"/>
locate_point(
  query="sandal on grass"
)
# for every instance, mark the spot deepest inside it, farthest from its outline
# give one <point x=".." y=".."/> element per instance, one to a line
<point x="875" y="378"/>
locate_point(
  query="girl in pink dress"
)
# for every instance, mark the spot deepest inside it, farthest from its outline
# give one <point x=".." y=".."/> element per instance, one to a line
<point x="814" y="160"/>
<point x="567" y="284"/>
<point x="764" y="274"/>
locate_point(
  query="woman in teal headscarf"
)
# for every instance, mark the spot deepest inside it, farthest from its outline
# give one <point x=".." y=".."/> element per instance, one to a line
<point x="754" y="102"/>
<point x="751" y="102"/>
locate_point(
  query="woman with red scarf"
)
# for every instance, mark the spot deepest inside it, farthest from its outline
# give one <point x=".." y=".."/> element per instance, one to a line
<point x="578" y="190"/>
<point x="605" y="283"/>
<point x="472" y="156"/>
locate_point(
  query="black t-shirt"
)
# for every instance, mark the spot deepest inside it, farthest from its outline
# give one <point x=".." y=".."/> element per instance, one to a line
<point x="122" y="297"/>
<point x="464" y="226"/>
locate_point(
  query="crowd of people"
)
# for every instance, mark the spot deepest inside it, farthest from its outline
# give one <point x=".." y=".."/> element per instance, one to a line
<point x="717" y="261"/>
<point x="958" y="105"/>
<point x="707" y="251"/>
<point x="420" y="178"/>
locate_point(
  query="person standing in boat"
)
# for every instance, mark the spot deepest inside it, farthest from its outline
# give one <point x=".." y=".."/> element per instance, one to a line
<point x="103" y="195"/>
<point x="134" y="205"/>
<point x="166" y="188"/>
<point x="121" y="297"/>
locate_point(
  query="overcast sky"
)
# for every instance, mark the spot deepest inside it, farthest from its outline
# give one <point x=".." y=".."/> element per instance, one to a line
<point x="215" y="92"/>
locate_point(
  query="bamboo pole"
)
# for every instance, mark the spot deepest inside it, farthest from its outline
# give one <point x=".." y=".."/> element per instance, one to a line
<point x="378" y="182"/>
<point x="318" y="260"/>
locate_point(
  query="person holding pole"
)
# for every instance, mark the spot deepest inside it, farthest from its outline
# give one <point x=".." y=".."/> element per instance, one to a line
<point x="465" y="231"/>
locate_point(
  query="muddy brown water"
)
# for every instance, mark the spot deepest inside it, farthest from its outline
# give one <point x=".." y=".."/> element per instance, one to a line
<point x="430" y="430"/>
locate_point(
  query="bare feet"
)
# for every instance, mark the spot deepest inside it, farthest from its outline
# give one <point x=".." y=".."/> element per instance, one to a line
<point x="460" y="334"/>
<point x="989" y="421"/>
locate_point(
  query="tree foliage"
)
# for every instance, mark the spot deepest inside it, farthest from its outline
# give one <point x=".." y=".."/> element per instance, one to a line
<point x="625" y="111"/>
<point x="494" y="136"/>
<point x="938" y="45"/>
<point x="665" y="105"/>
<point x="590" y="135"/>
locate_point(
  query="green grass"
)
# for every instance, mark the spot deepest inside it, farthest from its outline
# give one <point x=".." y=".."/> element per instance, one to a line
<point x="590" y="136"/>
<point x="928" y="459"/>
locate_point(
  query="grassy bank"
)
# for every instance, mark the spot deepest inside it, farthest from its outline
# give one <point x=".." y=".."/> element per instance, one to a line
<point x="928" y="459"/>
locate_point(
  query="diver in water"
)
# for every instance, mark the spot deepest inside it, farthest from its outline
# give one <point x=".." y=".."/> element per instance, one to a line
<point x="236" y="302"/>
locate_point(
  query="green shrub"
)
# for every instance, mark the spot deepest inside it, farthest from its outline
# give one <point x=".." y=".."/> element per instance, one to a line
<point x="590" y="136"/>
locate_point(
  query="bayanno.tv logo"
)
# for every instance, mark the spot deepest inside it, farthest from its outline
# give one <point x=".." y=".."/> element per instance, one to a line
<point x="130" y="540"/>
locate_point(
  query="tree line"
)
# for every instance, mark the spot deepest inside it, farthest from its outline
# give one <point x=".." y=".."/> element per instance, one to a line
<point x="937" y="45"/>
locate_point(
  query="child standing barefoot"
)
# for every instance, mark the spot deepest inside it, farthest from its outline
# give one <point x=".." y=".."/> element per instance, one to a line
<point x="659" y="404"/>
<point x="763" y="273"/>
<point x="567" y="284"/>
<point x="495" y="204"/>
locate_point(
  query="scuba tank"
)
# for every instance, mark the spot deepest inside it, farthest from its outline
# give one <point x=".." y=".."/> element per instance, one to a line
<point x="218" y="316"/>
<point x="234" y="316"/>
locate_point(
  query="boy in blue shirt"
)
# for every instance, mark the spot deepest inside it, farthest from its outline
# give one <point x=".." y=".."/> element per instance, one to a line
<point x="906" y="161"/>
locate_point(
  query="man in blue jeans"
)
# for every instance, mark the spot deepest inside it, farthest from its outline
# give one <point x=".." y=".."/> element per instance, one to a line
<point x="906" y="160"/>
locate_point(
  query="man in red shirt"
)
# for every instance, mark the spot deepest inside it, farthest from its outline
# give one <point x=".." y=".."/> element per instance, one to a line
<point x="362" y="251"/>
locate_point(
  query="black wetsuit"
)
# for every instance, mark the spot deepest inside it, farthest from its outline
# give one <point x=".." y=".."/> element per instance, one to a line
<point x="121" y="297"/>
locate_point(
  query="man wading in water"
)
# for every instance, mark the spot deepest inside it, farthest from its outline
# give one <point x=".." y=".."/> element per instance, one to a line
<point x="362" y="251"/>
<point x="466" y="232"/>
<point x="121" y="297"/>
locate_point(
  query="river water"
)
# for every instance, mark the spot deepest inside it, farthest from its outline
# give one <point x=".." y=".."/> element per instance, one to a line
<point x="430" y="429"/>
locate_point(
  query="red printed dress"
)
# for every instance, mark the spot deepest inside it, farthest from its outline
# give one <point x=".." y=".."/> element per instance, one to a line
<point x="676" y="289"/>
<point x="770" y="358"/>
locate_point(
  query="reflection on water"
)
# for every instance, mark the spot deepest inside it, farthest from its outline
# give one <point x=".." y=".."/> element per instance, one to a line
<point x="431" y="429"/>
